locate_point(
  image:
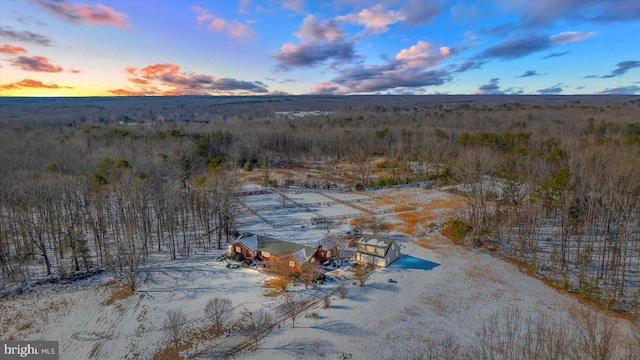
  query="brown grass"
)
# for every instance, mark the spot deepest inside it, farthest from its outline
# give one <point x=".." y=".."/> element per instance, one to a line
<point x="118" y="292"/>
<point x="427" y="243"/>
<point x="194" y="336"/>
<point x="413" y="219"/>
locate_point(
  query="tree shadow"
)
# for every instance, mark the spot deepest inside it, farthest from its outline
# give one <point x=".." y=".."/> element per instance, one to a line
<point x="305" y="347"/>
<point x="340" y="328"/>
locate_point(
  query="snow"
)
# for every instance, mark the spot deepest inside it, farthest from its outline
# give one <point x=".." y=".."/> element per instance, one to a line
<point x="428" y="294"/>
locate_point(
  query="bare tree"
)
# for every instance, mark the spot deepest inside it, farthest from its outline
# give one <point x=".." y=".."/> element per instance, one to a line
<point x="219" y="311"/>
<point x="308" y="274"/>
<point x="174" y="326"/>
<point x="362" y="272"/>
<point x="255" y="324"/>
<point x="291" y="308"/>
<point x="596" y="335"/>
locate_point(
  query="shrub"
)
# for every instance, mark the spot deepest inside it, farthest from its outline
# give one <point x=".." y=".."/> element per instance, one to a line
<point x="326" y="302"/>
<point x="455" y="230"/>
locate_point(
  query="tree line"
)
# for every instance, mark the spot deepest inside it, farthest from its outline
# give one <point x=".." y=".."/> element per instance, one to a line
<point x="550" y="182"/>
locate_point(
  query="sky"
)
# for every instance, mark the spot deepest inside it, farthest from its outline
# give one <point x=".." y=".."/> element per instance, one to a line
<point x="319" y="47"/>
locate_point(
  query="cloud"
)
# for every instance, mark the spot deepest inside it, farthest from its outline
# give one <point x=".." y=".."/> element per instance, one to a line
<point x="524" y="45"/>
<point x="514" y="91"/>
<point x="325" y="88"/>
<point x="35" y="63"/>
<point x="29" y="83"/>
<point x="552" y="90"/>
<point x="529" y="73"/>
<point x="490" y="88"/>
<point x="233" y="28"/>
<point x="77" y="13"/>
<point x="420" y="12"/>
<point x="10" y="49"/>
<point x="552" y="55"/>
<point x="546" y="12"/>
<point x="517" y="47"/>
<point x="424" y="54"/>
<point x="169" y="79"/>
<point x="392" y="75"/>
<point x="621" y="90"/>
<point x="470" y="65"/>
<point x="375" y="19"/>
<point x="319" y="43"/>
<point x="75" y="71"/>
<point x="293" y="5"/>
<point x="622" y="68"/>
<point x="125" y="92"/>
<point x="570" y="36"/>
<point x="27" y="36"/>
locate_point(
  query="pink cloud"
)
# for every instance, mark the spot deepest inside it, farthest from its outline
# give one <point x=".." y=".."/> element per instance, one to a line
<point x="10" y="49"/>
<point x="233" y="28"/>
<point x="328" y="89"/>
<point x="35" y="63"/>
<point x="98" y="14"/>
<point x="375" y="19"/>
<point x="571" y="36"/>
<point x="424" y="54"/>
<point x="293" y="5"/>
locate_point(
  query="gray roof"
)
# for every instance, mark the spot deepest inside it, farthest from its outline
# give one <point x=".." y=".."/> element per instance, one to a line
<point x="276" y="247"/>
<point x="373" y="240"/>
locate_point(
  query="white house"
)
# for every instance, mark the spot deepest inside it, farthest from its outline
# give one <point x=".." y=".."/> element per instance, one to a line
<point x="377" y="250"/>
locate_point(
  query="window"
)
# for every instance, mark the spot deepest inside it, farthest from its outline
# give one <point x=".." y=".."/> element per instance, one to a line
<point x="238" y="249"/>
<point x="292" y="263"/>
<point x="371" y="249"/>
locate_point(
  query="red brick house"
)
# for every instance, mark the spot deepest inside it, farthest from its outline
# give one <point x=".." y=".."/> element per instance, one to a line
<point x="263" y="248"/>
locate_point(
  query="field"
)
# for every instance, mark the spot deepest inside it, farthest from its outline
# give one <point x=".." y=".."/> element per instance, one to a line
<point x="399" y="309"/>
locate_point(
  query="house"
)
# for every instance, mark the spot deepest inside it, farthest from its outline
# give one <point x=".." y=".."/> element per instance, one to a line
<point x="263" y="248"/>
<point x="376" y="250"/>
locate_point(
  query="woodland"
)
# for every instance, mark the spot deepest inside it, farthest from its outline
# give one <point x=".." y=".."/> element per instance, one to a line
<point x="98" y="184"/>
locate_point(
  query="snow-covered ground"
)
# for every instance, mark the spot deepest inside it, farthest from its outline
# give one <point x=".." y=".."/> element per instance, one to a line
<point x="449" y="293"/>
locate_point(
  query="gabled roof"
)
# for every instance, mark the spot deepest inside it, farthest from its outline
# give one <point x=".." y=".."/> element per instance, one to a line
<point x="377" y="241"/>
<point x="276" y="247"/>
<point x="250" y="241"/>
<point x="303" y="255"/>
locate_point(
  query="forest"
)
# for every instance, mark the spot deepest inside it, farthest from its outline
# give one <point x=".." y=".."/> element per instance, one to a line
<point x="98" y="184"/>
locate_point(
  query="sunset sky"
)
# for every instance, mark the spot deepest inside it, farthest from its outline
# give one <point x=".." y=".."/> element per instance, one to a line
<point x="261" y="47"/>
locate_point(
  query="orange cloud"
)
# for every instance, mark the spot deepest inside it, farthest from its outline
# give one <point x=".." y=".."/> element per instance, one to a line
<point x="10" y="49"/>
<point x="139" y="81"/>
<point x="168" y="79"/>
<point x="124" y="92"/>
<point x="29" y="83"/>
<point x="159" y="69"/>
<point x="35" y="63"/>
<point x="98" y="14"/>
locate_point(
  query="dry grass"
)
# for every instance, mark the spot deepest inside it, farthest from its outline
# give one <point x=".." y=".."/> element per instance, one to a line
<point x="194" y="336"/>
<point x="475" y="271"/>
<point x="118" y="292"/>
<point x="416" y="221"/>
<point x="427" y="243"/>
